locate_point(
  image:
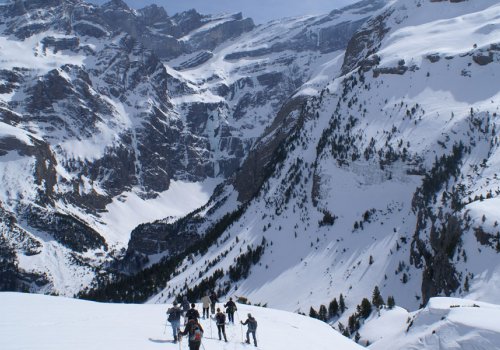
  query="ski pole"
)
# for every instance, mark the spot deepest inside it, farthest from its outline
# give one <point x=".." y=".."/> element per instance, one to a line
<point x="210" y="320"/>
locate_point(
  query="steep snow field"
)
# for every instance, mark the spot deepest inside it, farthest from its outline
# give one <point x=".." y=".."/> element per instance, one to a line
<point x="53" y="323"/>
<point x="129" y="209"/>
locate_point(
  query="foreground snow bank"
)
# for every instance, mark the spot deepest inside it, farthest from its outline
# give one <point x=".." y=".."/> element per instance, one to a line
<point x="41" y="322"/>
<point x="444" y="324"/>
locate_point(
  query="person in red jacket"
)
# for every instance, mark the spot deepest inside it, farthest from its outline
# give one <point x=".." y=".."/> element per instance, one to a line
<point x="194" y="331"/>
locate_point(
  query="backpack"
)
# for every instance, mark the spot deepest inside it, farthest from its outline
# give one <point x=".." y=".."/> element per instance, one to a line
<point x="221" y="318"/>
<point x="174" y="315"/>
<point x="196" y="333"/>
<point x="230" y="306"/>
<point x="192" y="314"/>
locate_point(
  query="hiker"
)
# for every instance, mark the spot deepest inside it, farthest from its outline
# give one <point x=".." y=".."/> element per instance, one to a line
<point x="206" y="305"/>
<point x="230" y="309"/>
<point x="185" y="305"/>
<point x="220" y="320"/>
<point x="252" y="328"/>
<point x="192" y="314"/>
<point x="174" y="317"/>
<point x="195" y="332"/>
<point x="213" y="301"/>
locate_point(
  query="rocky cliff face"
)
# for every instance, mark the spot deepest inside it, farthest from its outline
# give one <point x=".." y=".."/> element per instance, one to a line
<point x="105" y="106"/>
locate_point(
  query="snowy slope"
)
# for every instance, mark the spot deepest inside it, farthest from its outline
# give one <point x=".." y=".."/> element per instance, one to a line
<point x="367" y="153"/>
<point x="445" y="323"/>
<point x="42" y="322"/>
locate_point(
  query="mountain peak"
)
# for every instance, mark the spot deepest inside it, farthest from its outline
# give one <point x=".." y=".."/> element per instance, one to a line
<point x="116" y="4"/>
<point x="154" y="13"/>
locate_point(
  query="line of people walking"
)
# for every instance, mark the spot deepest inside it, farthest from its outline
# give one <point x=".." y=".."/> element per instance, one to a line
<point x="192" y="326"/>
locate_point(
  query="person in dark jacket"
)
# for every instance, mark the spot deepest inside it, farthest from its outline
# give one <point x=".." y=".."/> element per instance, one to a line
<point x="192" y="314"/>
<point x="220" y="320"/>
<point x="252" y="328"/>
<point x="193" y="329"/>
<point x="213" y="301"/>
<point x="174" y="317"/>
<point x="230" y="309"/>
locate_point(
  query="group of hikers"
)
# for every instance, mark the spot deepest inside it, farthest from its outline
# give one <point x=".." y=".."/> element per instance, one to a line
<point x="191" y="316"/>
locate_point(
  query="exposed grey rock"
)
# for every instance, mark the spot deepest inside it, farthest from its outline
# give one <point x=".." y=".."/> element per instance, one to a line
<point x="400" y="70"/>
<point x="259" y="164"/>
<point x="58" y="44"/>
<point x="483" y="58"/>
<point x="196" y="61"/>
<point x="66" y="229"/>
<point x="434" y="57"/>
<point x="365" y="42"/>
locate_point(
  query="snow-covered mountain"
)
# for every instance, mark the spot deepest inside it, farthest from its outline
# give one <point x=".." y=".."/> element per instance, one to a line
<point x="288" y="164"/>
<point x="116" y="117"/>
<point x="386" y="177"/>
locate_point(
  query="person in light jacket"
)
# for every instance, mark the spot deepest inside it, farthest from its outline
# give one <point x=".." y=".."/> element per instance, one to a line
<point x="206" y="305"/>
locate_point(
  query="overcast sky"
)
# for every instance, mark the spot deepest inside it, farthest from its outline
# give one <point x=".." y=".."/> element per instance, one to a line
<point x="260" y="10"/>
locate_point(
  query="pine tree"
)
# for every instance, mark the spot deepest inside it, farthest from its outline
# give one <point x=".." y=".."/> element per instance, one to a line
<point x="323" y="313"/>
<point x="333" y="308"/>
<point x="346" y="333"/>
<point x="466" y="284"/>
<point x="377" y="299"/>
<point x="351" y="323"/>
<point x="404" y="279"/>
<point x="366" y="308"/>
<point x="357" y="337"/>
<point x="342" y="306"/>
<point x="391" y="302"/>
<point x="313" y="313"/>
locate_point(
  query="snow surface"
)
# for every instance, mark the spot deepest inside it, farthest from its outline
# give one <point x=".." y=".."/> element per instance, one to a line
<point x="53" y="323"/>
<point x="444" y="324"/>
<point x="129" y="210"/>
